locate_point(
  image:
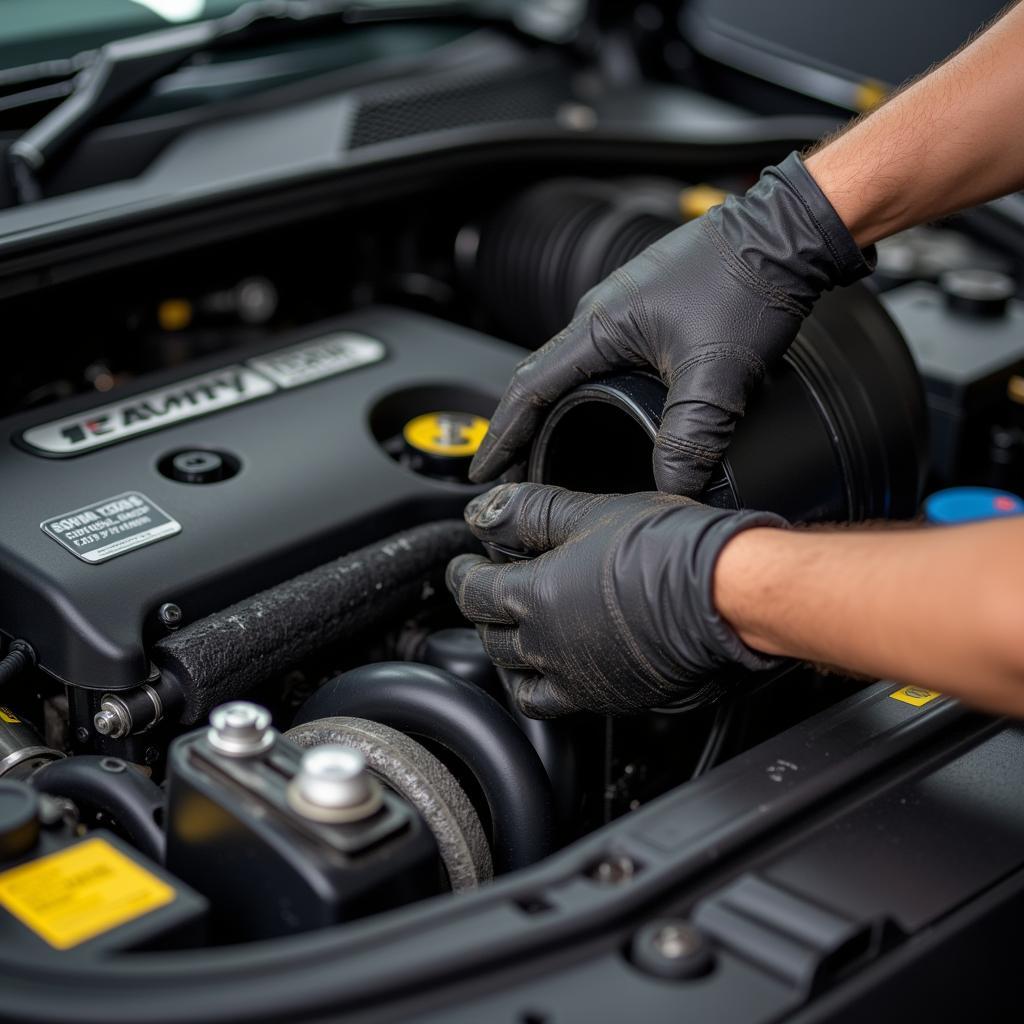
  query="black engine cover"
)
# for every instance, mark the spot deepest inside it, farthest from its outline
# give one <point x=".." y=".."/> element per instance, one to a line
<point x="300" y="429"/>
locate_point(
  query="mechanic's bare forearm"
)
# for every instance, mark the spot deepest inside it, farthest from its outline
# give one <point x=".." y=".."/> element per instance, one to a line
<point x="942" y="607"/>
<point x="949" y="141"/>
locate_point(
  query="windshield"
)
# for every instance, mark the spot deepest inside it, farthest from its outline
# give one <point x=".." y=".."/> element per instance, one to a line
<point x="35" y="31"/>
<point x="44" y="30"/>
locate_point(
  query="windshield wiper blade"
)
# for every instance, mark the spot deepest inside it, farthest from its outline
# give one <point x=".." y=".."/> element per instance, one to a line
<point x="123" y="69"/>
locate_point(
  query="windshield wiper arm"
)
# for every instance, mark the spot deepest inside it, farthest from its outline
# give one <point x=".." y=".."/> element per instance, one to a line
<point x="123" y="69"/>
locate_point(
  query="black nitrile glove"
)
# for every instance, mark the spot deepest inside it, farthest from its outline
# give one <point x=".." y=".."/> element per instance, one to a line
<point x="615" y="613"/>
<point x="708" y="307"/>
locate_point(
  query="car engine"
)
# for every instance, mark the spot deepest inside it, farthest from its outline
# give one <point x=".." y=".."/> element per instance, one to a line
<point x="256" y="536"/>
<point x="234" y="470"/>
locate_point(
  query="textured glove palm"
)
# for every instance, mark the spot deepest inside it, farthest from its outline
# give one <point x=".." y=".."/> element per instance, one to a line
<point x="707" y="307"/>
<point x="615" y="613"/>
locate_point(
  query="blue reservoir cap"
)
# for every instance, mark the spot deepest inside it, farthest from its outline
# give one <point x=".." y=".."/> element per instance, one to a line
<point x="970" y="505"/>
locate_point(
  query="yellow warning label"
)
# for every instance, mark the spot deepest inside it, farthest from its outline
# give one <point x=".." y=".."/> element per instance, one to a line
<point x="8" y="716"/>
<point x="75" y="894"/>
<point x="453" y="434"/>
<point x="916" y="695"/>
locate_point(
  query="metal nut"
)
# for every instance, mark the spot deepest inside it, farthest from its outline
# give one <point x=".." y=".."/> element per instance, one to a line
<point x="113" y="719"/>
<point x="240" y="729"/>
<point x="672" y="948"/>
<point x="332" y="785"/>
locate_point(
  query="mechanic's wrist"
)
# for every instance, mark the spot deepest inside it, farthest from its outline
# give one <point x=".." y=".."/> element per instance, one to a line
<point x="744" y="586"/>
<point x="721" y="529"/>
<point x="871" y="200"/>
<point x="787" y="232"/>
<point x="851" y="204"/>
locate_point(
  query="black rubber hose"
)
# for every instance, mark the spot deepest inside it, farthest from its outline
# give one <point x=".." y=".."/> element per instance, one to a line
<point x="461" y="652"/>
<point x="230" y="653"/>
<point x="109" y="787"/>
<point x="432" y="704"/>
<point x="19" y="658"/>
<point x="554" y="740"/>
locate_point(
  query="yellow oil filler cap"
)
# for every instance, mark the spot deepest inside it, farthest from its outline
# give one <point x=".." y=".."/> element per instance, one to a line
<point x="443" y="444"/>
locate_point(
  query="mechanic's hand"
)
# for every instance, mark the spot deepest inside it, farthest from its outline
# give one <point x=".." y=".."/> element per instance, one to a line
<point x="707" y="307"/>
<point x="615" y="614"/>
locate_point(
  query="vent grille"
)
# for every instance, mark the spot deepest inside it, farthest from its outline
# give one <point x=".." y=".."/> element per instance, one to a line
<point x="477" y="97"/>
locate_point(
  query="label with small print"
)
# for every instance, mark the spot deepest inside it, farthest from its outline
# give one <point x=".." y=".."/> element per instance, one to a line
<point x="80" y="892"/>
<point x="111" y="527"/>
<point x="916" y="696"/>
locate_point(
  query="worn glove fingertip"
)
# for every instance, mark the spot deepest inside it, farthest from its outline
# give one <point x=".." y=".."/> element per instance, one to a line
<point x="537" y="697"/>
<point x="457" y="570"/>
<point x="487" y="509"/>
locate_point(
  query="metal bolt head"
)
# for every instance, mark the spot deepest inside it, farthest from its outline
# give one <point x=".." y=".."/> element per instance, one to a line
<point x="170" y="615"/>
<point x="614" y="871"/>
<point x="105" y="722"/>
<point x="113" y="719"/>
<point x="332" y="784"/>
<point x="672" y="948"/>
<point x="333" y="776"/>
<point x="676" y="940"/>
<point x="240" y="729"/>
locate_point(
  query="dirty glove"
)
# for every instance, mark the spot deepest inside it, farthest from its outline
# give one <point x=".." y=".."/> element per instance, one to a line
<point x="708" y="307"/>
<point x="615" y="613"/>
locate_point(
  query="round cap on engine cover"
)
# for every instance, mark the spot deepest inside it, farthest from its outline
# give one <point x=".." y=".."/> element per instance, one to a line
<point x="19" y="819"/>
<point x="444" y="443"/>
<point x="977" y="292"/>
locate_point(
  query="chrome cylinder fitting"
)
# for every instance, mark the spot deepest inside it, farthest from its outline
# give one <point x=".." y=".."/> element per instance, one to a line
<point x="134" y="711"/>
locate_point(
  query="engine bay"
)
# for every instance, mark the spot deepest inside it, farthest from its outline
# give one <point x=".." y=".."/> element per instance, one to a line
<point x="234" y="472"/>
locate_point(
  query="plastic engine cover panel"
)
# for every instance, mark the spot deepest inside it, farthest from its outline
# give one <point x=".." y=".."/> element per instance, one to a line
<point x="313" y="482"/>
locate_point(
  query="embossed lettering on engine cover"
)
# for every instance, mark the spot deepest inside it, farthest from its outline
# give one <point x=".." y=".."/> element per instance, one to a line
<point x="209" y="392"/>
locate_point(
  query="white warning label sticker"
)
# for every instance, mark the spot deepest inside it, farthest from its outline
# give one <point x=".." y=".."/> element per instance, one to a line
<point x="111" y="527"/>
